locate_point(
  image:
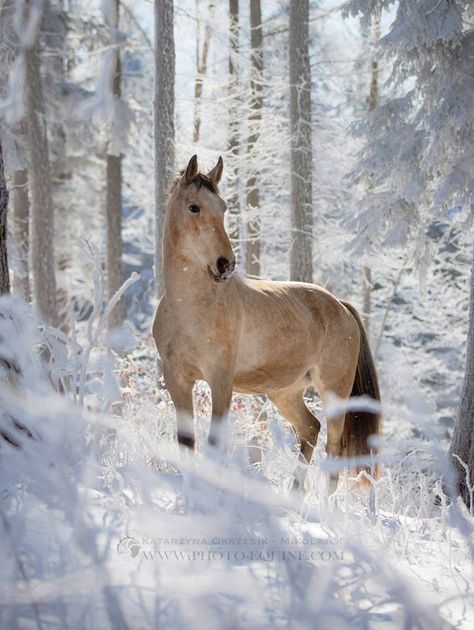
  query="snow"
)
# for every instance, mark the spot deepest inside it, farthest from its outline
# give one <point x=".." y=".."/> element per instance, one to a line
<point x="104" y="525"/>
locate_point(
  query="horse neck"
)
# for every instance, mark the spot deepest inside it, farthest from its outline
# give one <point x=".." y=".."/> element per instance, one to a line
<point x="182" y="277"/>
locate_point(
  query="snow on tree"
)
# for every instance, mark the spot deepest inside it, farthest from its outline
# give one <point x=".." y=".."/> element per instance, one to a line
<point x="301" y="260"/>
<point x="418" y="162"/>
<point x="411" y="164"/>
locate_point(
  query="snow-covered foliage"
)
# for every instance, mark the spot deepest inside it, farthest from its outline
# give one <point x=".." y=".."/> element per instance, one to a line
<point x="99" y="529"/>
<point x="418" y="155"/>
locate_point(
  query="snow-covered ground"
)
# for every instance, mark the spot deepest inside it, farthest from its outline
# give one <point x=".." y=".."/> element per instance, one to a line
<point x="103" y="527"/>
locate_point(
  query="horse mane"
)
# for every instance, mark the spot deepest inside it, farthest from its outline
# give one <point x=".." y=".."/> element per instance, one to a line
<point x="199" y="180"/>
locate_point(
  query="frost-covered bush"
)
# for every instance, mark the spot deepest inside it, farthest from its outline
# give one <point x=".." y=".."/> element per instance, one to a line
<point x="102" y="525"/>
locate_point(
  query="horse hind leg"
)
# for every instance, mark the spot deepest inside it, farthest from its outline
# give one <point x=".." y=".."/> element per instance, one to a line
<point x="341" y="387"/>
<point x="290" y="403"/>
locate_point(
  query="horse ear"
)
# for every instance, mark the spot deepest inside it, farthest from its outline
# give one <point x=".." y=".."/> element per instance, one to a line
<point x="191" y="170"/>
<point x="216" y="173"/>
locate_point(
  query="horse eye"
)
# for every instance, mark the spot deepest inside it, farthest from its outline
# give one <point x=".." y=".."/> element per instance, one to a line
<point x="194" y="209"/>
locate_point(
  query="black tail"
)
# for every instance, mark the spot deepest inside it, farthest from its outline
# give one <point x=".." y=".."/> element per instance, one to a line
<point x="359" y="425"/>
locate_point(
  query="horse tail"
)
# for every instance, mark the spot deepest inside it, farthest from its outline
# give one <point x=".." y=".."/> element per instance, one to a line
<point x="360" y="425"/>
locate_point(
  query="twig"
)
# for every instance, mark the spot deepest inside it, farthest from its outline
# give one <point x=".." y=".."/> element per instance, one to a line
<point x="93" y="336"/>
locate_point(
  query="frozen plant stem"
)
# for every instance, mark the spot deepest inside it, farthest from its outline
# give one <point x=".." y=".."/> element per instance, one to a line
<point x="102" y="318"/>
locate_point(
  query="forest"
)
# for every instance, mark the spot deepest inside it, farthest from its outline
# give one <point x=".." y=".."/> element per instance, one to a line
<point x="339" y="133"/>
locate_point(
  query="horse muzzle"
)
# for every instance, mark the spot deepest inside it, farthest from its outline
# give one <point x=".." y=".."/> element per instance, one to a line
<point x="225" y="269"/>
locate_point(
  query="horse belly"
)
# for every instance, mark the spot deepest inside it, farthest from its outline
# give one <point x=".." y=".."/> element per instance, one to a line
<point x="270" y="378"/>
<point x="259" y="372"/>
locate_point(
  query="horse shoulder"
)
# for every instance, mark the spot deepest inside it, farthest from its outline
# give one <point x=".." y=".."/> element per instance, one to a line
<point x="161" y="325"/>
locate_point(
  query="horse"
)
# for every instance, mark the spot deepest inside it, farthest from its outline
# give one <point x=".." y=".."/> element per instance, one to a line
<point x="254" y="336"/>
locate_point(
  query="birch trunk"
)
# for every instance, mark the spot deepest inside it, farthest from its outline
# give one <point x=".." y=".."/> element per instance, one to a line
<point x="4" y="275"/>
<point x="301" y="265"/>
<point x="113" y="204"/>
<point x="164" y="121"/>
<point x="253" y="197"/>
<point x="234" y="144"/>
<point x="462" y="444"/>
<point x="42" y="213"/>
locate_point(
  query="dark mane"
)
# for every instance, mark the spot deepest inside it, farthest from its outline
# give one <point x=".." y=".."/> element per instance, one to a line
<point x="199" y="180"/>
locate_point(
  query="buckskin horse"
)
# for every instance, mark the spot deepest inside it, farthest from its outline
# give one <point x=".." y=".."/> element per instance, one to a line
<point x="254" y="336"/>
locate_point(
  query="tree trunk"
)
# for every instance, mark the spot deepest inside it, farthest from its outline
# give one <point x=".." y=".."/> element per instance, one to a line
<point x="19" y="208"/>
<point x="164" y="121"/>
<point x="21" y="229"/>
<point x="233" y="200"/>
<point x="462" y="444"/>
<point x="201" y="70"/>
<point x="301" y="258"/>
<point x="54" y="64"/>
<point x="253" y="197"/>
<point x="42" y="219"/>
<point x="366" y="296"/>
<point x="113" y="205"/>
<point x="373" y="98"/>
<point x="4" y="275"/>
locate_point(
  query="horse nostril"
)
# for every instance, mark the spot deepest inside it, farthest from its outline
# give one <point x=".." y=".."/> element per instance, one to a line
<point x="222" y="264"/>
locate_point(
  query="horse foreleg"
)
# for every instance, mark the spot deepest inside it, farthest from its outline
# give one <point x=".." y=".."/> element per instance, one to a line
<point x="181" y="393"/>
<point x="221" y="391"/>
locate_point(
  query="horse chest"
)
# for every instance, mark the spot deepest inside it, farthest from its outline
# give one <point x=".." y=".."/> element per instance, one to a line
<point x="194" y="337"/>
